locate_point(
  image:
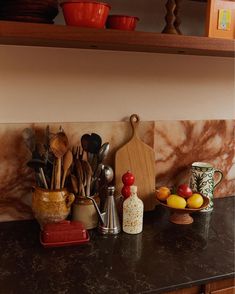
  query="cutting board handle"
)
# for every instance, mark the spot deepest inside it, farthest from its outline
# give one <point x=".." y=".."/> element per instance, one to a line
<point x="134" y="120"/>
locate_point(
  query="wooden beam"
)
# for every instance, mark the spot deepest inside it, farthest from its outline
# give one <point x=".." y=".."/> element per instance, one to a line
<point x="32" y="34"/>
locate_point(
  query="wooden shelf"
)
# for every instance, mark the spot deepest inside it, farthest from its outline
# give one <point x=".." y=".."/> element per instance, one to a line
<point x="31" y="34"/>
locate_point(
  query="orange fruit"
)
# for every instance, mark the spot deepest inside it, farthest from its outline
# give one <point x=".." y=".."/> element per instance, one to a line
<point x="176" y="201"/>
<point x="163" y="193"/>
<point x="195" y="201"/>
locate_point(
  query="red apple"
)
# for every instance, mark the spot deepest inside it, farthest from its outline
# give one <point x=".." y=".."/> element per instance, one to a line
<point x="184" y="191"/>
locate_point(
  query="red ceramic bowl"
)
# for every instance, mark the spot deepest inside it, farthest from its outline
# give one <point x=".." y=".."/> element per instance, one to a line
<point x="122" y="22"/>
<point x="85" y="14"/>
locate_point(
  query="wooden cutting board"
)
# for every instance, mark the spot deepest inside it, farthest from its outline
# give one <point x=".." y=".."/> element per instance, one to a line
<point x="139" y="159"/>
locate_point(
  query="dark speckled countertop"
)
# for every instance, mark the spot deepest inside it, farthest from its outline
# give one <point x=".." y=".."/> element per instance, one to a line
<point x="163" y="257"/>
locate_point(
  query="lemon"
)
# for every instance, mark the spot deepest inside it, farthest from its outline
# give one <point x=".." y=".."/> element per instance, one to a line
<point x="163" y="193"/>
<point x="195" y="201"/>
<point x="176" y="201"/>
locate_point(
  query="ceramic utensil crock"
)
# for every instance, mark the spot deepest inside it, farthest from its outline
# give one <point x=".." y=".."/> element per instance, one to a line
<point x="51" y="206"/>
<point x="84" y="211"/>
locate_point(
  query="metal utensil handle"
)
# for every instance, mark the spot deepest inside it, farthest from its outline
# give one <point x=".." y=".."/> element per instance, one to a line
<point x="97" y="209"/>
<point x="43" y="177"/>
<point x="53" y="176"/>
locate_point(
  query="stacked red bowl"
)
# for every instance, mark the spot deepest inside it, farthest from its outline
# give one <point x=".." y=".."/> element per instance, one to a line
<point x="85" y="13"/>
<point x="122" y="22"/>
<point x="39" y="11"/>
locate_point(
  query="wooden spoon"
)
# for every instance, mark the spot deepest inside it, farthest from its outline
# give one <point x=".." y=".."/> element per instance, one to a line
<point x="79" y="176"/>
<point x="59" y="145"/>
<point x="74" y="184"/>
<point x="79" y="170"/>
<point x="67" y="162"/>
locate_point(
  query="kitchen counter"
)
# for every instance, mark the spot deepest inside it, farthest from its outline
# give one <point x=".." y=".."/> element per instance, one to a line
<point x="163" y="257"/>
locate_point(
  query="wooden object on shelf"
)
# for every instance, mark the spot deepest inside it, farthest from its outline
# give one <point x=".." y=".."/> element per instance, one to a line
<point x="177" y="16"/>
<point x="220" y="21"/>
<point x="31" y="34"/>
<point x="139" y="159"/>
<point x="170" y="18"/>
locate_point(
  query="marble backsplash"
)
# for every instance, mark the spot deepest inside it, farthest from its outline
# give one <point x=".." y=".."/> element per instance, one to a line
<point x="176" y="143"/>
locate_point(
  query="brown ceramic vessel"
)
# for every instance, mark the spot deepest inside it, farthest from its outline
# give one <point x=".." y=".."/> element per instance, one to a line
<point x="51" y="206"/>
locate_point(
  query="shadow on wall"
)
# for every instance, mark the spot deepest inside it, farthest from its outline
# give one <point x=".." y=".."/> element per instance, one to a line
<point x="73" y="64"/>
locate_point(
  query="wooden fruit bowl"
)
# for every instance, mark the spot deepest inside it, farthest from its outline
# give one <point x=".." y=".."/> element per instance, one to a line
<point x="181" y="216"/>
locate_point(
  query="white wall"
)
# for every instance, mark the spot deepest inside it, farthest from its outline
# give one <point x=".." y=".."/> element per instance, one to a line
<point x="49" y="84"/>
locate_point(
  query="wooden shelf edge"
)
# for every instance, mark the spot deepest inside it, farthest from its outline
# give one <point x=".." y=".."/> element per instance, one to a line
<point x="32" y="34"/>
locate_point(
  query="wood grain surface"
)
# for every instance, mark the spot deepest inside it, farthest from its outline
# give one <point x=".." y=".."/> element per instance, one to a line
<point x="139" y="158"/>
<point x="31" y="34"/>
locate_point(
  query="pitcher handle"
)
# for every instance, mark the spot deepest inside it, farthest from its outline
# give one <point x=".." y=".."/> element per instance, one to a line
<point x="220" y="177"/>
<point x="69" y="199"/>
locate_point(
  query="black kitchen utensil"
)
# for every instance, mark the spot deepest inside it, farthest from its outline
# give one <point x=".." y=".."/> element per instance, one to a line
<point x="95" y="142"/>
<point x="28" y="135"/>
<point x="37" y="163"/>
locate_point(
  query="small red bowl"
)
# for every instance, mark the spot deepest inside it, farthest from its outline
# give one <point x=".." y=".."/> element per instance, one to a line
<point x="122" y="22"/>
<point x="85" y="14"/>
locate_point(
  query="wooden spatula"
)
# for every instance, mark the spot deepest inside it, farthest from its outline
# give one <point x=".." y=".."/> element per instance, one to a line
<point x="139" y="158"/>
<point x="67" y="162"/>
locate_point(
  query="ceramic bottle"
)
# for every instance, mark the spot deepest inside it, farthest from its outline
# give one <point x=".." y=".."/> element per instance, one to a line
<point x="133" y="209"/>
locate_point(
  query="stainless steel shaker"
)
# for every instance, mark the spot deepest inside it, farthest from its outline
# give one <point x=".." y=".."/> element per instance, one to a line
<point x="109" y="219"/>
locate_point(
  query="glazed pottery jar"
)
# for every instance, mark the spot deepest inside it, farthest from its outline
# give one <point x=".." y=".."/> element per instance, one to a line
<point x="84" y="211"/>
<point x="203" y="181"/>
<point x="133" y="209"/>
<point x="51" y="206"/>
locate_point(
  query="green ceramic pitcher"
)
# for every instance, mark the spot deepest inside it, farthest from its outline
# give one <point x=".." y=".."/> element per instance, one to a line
<point x="202" y="180"/>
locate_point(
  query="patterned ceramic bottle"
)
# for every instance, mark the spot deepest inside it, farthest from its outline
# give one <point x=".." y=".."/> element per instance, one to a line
<point x="133" y="209"/>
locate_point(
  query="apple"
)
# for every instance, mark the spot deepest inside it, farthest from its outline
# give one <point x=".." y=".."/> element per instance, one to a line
<point x="184" y="191"/>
